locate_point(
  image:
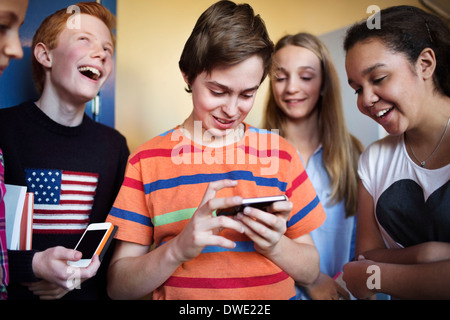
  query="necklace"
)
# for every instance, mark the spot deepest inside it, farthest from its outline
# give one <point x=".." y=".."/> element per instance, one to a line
<point x="422" y="163"/>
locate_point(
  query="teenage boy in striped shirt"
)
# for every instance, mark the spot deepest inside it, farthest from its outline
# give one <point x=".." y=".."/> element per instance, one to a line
<point x="171" y="242"/>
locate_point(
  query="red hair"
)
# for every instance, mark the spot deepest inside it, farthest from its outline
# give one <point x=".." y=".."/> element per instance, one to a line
<point x="50" y="29"/>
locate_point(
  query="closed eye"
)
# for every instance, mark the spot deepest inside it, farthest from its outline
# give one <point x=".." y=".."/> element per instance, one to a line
<point x="357" y="90"/>
<point x="378" y="80"/>
<point x="109" y="50"/>
<point x="217" y="93"/>
<point x="279" y="76"/>
<point x="248" y="95"/>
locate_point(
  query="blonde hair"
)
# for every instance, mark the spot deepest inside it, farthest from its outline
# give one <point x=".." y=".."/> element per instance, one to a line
<point x="50" y="29"/>
<point x="341" y="150"/>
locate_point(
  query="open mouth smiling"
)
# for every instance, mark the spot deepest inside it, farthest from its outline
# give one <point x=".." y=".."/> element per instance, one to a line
<point x="224" y="121"/>
<point x="90" y="72"/>
<point x="383" y="113"/>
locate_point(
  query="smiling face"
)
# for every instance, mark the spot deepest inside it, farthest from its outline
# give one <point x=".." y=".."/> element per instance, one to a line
<point x="387" y="86"/>
<point x="12" y="15"/>
<point x="82" y="61"/>
<point x="223" y="98"/>
<point x="297" y="81"/>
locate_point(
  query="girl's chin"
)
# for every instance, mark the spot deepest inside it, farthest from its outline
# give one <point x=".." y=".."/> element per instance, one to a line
<point x="394" y="130"/>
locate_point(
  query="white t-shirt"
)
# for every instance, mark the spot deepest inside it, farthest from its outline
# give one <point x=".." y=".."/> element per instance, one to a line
<point x="411" y="203"/>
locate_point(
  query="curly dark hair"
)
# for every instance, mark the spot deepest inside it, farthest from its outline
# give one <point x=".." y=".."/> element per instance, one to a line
<point x="410" y="30"/>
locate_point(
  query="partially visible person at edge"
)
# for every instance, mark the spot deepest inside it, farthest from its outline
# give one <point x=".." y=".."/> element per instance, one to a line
<point x="401" y="74"/>
<point x="52" y="145"/>
<point x="169" y="202"/>
<point x="12" y="16"/>
<point x="305" y="105"/>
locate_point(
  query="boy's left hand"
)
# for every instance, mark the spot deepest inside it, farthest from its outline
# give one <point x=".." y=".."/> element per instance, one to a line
<point x="266" y="229"/>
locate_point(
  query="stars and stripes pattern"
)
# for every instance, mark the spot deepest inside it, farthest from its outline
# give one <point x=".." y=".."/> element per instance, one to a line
<point x="62" y="199"/>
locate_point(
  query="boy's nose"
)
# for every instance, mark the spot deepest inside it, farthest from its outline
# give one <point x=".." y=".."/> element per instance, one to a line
<point x="99" y="52"/>
<point x="231" y="107"/>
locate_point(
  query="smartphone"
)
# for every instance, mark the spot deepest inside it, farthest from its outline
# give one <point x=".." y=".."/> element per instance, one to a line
<point x="260" y="203"/>
<point x="95" y="240"/>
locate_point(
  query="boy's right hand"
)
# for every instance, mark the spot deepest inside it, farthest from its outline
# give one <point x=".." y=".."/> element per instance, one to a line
<point x="203" y="228"/>
<point x="51" y="265"/>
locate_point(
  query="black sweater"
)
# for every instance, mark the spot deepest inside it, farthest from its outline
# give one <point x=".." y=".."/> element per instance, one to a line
<point x="31" y="140"/>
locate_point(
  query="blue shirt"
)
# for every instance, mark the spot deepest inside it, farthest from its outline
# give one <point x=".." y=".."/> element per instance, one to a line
<point x="334" y="239"/>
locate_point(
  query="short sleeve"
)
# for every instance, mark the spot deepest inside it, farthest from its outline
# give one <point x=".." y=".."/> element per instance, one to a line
<point x="130" y="211"/>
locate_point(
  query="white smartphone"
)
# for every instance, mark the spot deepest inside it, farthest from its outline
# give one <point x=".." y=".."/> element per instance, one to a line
<point x="260" y="203"/>
<point x="95" y="240"/>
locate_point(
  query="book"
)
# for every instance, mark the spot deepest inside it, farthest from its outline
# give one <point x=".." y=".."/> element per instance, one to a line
<point x="26" y="224"/>
<point x="18" y="217"/>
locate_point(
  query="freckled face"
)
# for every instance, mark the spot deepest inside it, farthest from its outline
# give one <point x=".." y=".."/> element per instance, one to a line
<point x="82" y="60"/>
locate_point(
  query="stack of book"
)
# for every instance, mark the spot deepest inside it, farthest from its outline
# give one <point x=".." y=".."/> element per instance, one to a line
<point x="19" y="217"/>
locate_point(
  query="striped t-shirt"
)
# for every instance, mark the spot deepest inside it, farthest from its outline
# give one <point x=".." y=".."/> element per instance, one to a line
<point x="164" y="184"/>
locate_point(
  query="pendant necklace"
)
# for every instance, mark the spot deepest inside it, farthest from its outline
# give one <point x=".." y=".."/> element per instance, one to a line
<point x="422" y="163"/>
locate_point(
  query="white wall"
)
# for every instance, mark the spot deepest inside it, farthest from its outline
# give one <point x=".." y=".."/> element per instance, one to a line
<point x="361" y="126"/>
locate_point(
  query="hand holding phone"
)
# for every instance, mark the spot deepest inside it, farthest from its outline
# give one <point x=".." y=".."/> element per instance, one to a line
<point x="261" y="203"/>
<point x="94" y="241"/>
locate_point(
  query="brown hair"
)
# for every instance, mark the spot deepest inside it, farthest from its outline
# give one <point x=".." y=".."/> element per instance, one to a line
<point x="341" y="150"/>
<point x="225" y="34"/>
<point x="50" y="29"/>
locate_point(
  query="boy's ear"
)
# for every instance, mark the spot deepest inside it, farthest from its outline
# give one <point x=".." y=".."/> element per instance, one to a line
<point x="427" y="63"/>
<point x="185" y="77"/>
<point x="42" y="55"/>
